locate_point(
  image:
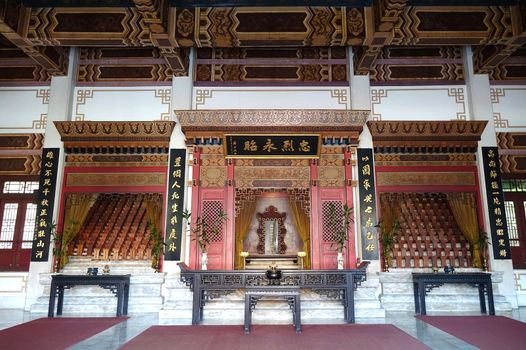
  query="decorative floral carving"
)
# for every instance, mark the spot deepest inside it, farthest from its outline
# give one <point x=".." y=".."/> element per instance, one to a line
<point x="157" y="130"/>
<point x="355" y="20"/>
<point x="185" y="23"/>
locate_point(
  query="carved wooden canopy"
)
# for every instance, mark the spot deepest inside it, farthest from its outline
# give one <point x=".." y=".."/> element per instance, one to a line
<point x="443" y="136"/>
<point x="113" y="135"/>
<point x="327" y="122"/>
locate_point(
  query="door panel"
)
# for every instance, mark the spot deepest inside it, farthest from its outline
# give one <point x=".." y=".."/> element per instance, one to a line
<point x="17" y="220"/>
<point x="515" y="204"/>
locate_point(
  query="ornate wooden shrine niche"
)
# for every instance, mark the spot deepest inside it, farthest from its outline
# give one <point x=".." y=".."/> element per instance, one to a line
<point x="271" y="231"/>
<point x="114" y="183"/>
<point x="241" y="184"/>
<point x="422" y="168"/>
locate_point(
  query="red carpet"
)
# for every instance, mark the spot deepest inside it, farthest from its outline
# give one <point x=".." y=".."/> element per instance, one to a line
<point x="275" y="337"/>
<point x="54" y="333"/>
<point x="484" y="332"/>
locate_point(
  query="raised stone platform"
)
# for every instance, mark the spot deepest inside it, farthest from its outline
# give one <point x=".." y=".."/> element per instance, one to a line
<point x="397" y="294"/>
<point x="145" y="289"/>
<point x="229" y="309"/>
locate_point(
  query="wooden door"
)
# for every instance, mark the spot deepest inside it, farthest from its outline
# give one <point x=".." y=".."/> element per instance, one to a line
<point x="17" y="225"/>
<point x="515" y="205"/>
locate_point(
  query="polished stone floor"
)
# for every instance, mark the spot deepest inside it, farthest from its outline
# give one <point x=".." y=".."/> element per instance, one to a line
<point x="114" y="337"/>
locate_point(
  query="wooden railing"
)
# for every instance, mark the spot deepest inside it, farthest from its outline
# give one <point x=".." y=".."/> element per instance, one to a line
<point x="211" y="284"/>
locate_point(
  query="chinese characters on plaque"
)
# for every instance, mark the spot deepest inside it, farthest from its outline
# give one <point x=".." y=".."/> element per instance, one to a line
<point x="497" y="214"/>
<point x="367" y="204"/>
<point x="272" y="146"/>
<point x="174" y="216"/>
<point x="46" y="200"/>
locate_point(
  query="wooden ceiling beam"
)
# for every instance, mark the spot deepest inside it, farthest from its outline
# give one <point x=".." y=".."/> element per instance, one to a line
<point x="13" y="19"/>
<point x="157" y="14"/>
<point x="487" y="58"/>
<point x="384" y="15"/>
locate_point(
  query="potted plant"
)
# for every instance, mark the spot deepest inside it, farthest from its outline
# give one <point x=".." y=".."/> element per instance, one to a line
<point x="340" y="220"/>
<point x="388" y="237"/>
<point x="204" y="229"/>
<point x="483" y="242"/>
<point x="61" y="243"/>
<point x="157" y="247"/>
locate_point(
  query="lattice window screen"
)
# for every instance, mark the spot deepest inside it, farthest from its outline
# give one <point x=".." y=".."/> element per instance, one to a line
<point x="210" y="211"/>
<point x="330" y="227"/>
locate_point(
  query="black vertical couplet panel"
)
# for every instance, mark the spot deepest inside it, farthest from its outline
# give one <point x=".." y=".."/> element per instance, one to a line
<point x="495" y="197"/>
<point x="174" y="217"/>
<point x="367" y="197"/>
<point x="46" y="201"/>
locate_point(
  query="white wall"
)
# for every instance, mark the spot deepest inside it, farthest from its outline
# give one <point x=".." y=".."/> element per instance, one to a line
<point x="122" y="103"/>
<point x="419" y="103"/>
<point x="509" y="107"/>
<point x="23" y="110"/>
<point x="13" y="288"/>
<point x="520" y="283"/>
<point x="271" y="98"/>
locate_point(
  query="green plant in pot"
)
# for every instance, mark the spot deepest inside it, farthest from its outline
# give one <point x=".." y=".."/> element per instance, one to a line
<point x="483" y="242"/>
<point x="157" y="247"/>
<point x="61" y="243"/>
<point x="340" y="221"/>
<point x="388" y="237"/>
<point x="204" y="230"/>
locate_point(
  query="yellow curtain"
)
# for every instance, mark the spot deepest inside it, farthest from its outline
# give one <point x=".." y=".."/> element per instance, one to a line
<point x="154" y="212"/>
<point x="302" y="223"/>
<point x="389" y="211"/>
<point x="243" y="221"/>
<point x="464" y="210"/>
<point x="77" y="208"/>
<point x="389" y="218"/>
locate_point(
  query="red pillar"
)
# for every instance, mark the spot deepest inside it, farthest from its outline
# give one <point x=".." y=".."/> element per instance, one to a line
<point x="196" y="168"/>
<point x="230" y="236"/>
<point x="314" y="216"/>
<point x="349" y="200"/>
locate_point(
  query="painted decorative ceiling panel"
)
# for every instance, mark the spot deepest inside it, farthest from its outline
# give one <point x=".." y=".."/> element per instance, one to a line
<point x="43" y="31"/>
<point x="406" y="64"/>
<point x="122" y="64"/>
<point x="263" y="65"/>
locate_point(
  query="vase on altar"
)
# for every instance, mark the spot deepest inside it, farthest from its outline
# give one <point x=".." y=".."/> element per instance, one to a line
<point x="204" y="261"/>
<point x="339" y="260"/>
<point x="273" y="275"/>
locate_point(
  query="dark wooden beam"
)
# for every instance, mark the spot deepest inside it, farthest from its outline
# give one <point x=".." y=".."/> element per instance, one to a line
<point x="487" y="58"/>
<point x="157" y="14"/>
<point x="13" y="15"/>
<point x="384" y="15"/>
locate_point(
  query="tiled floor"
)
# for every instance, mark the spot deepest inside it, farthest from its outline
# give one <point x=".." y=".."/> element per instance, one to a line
<point x="114" y="337"/>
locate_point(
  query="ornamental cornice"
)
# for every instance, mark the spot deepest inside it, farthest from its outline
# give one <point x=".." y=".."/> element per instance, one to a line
<point x="115" y="131"/>
<point x="456" y="130"/>
<point x="272" y="119"/>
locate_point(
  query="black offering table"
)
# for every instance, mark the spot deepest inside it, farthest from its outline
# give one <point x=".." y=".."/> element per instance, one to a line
<point x="425" y="282"/>
<point x="118" y="284"/>
<point x="209" y="284"/>
<point x="290" y="293"/>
